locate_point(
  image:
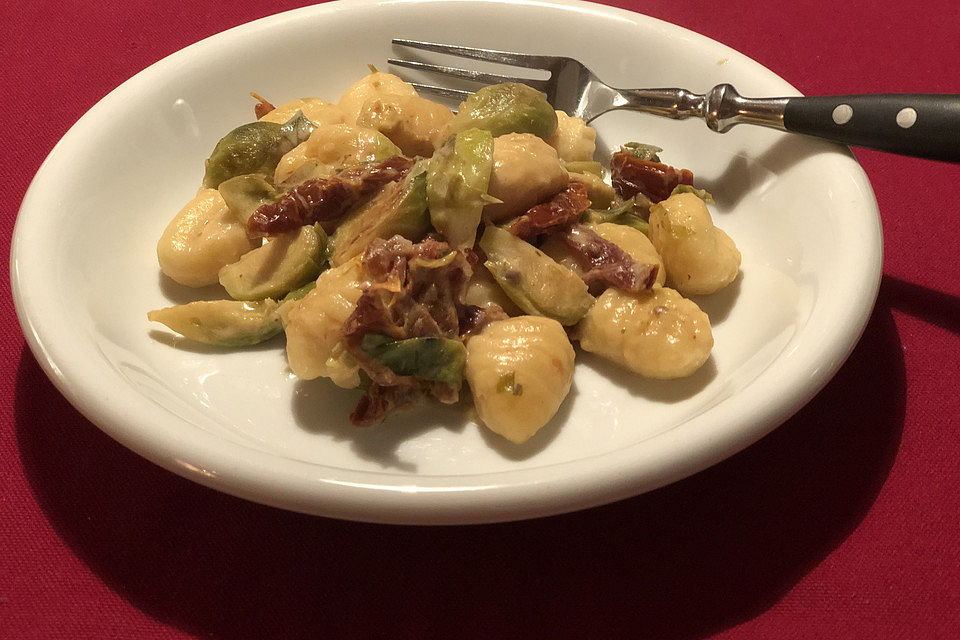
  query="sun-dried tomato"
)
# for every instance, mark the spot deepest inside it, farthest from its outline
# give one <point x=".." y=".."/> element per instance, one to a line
<point x="561" y="210"/>
<point x="262" y="107"/>
<point x="606" y="264"/>
<point x="655" y="180"/>
<point x="325" y="198"/>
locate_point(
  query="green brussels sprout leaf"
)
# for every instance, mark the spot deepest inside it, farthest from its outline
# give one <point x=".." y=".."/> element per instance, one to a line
<point x="255" y="147"/>
<point x="457" y="180"/>
<point x="703" y="194"/>
<point x="433" y="359"/>
<point x="507" y="108"/>
<point x="225" y="323"/>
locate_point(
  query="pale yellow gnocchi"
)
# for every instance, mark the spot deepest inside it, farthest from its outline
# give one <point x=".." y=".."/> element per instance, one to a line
<point x="333" y="145"/>
<point x="202" y="238"/>
<point x="314" y="327"/>
<point x="316" y="110"/>
<point x="416" y="125"/>
<point x="519" y="370"/>
<point x="373" y="85"/>
<point x="573" y="139"/>
<point x="526" y="171"/>
<point x="699" y="257"/>
<point x="657" y="334"/>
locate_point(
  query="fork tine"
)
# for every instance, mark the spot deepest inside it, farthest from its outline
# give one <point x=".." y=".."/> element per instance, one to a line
<point x="490" y="55"/>
<point x="476" y="76"/>
<point x="450" y="94"/>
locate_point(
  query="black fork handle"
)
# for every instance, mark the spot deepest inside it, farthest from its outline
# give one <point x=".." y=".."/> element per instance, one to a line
<point x="913" y="124"/>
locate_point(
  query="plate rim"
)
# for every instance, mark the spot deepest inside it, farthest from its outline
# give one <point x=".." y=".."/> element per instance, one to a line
<point x="239" y="470"/>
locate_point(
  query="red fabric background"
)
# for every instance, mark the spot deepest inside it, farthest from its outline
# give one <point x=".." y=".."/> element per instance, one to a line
<point x="844" y="523"/>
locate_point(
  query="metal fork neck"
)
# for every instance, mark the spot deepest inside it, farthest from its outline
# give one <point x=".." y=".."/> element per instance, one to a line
<point x="721" y="107"/>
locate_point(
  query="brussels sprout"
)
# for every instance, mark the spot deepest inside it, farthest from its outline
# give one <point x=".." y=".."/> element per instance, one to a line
<point x="255" y="147"/>
<point x="642" y="151"/>
<point x="385" y="148"/>
<point x="537" y="283"/>
<point x="286" y="262"/>
<point x="225" y="323"/>
<point x="507" y="108"/>
<point x="585" y="166"/>
<point x="300" y="292"/>
<point x="630" y="212"/>
<point x="703" y="194"/>
<point x="457" y="180"/>
<point x="400" y="208"/>
<point x="245" y="194"/>
<point x="434" y="359"/>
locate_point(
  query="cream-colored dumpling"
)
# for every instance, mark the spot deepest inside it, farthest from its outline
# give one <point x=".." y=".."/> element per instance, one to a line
<point x="526" y="171"/>
<point x="658" y="334"/>
<point x="416" y="125"/>
<point x="314" y="327"/>
<point x="483" y="290"/>
<point x="519" y="371"/>
<point x="699" y="257"/>
<point x="201" y="239"/>
<point x="634" y="242"/>
<point x="332" y="145"/>
<point x="372" y="85"/>
<point x="316" y="110"/>
<point x="573" y="139"/>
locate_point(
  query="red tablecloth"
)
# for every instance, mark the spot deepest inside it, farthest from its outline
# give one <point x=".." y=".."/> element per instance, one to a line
<point x="844" y="523"/>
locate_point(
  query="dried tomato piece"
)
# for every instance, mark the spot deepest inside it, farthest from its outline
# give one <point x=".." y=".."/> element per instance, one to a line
<point x="606" y="263"/>
<point x="325" y="199"/>
<point x="655" y="180"/>
<point x="561" y="210"/>
<point x="415" y="291"/>
<point x="262" y="107"/>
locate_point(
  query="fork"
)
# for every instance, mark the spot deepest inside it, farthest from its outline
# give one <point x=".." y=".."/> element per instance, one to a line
<point x="914" y="124"/>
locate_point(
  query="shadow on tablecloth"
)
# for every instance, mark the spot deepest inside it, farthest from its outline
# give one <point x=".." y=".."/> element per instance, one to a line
<point x="682" y="562"/>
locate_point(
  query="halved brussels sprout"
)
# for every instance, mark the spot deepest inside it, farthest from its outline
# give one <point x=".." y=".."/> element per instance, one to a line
<point x="434" y="359"/>
<point x="245" y="194"/>
<point x="457" y="180"/>
<point x="225" y="323"/>
<point x="585" y="166"/>
<point x="703" y="194"/>
<point x="400" y="208"/>
<point x="300" y="292"/>
<point x="507" y="108"/>
<point x="255" y="147"/>
<point x="631" y="212"/>
<point x="286" y="262"/>
<point x="642" y="151"/>
<point x="537" y="283"/>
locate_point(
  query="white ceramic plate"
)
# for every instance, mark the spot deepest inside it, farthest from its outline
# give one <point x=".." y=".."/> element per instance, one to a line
<point x="84" y="274"/>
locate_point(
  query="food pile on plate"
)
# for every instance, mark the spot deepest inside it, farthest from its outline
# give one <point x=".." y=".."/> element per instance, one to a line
<point x="405" y="250"/>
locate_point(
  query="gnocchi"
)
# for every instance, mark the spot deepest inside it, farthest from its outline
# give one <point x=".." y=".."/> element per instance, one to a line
<point x="374" y="85"/>
<point x="335" y="145"/>
<point x="316" y="110"/>
<point x="415" y="125"/>
<point x="657" y="334"/>
<point x="313" y="326"/>
<point x="573" y="139"/>
<point x="519" y="371"/>
<point x="699" y="258"/>
<point x="200" y="240"/>
<point x="526" y="170"/>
